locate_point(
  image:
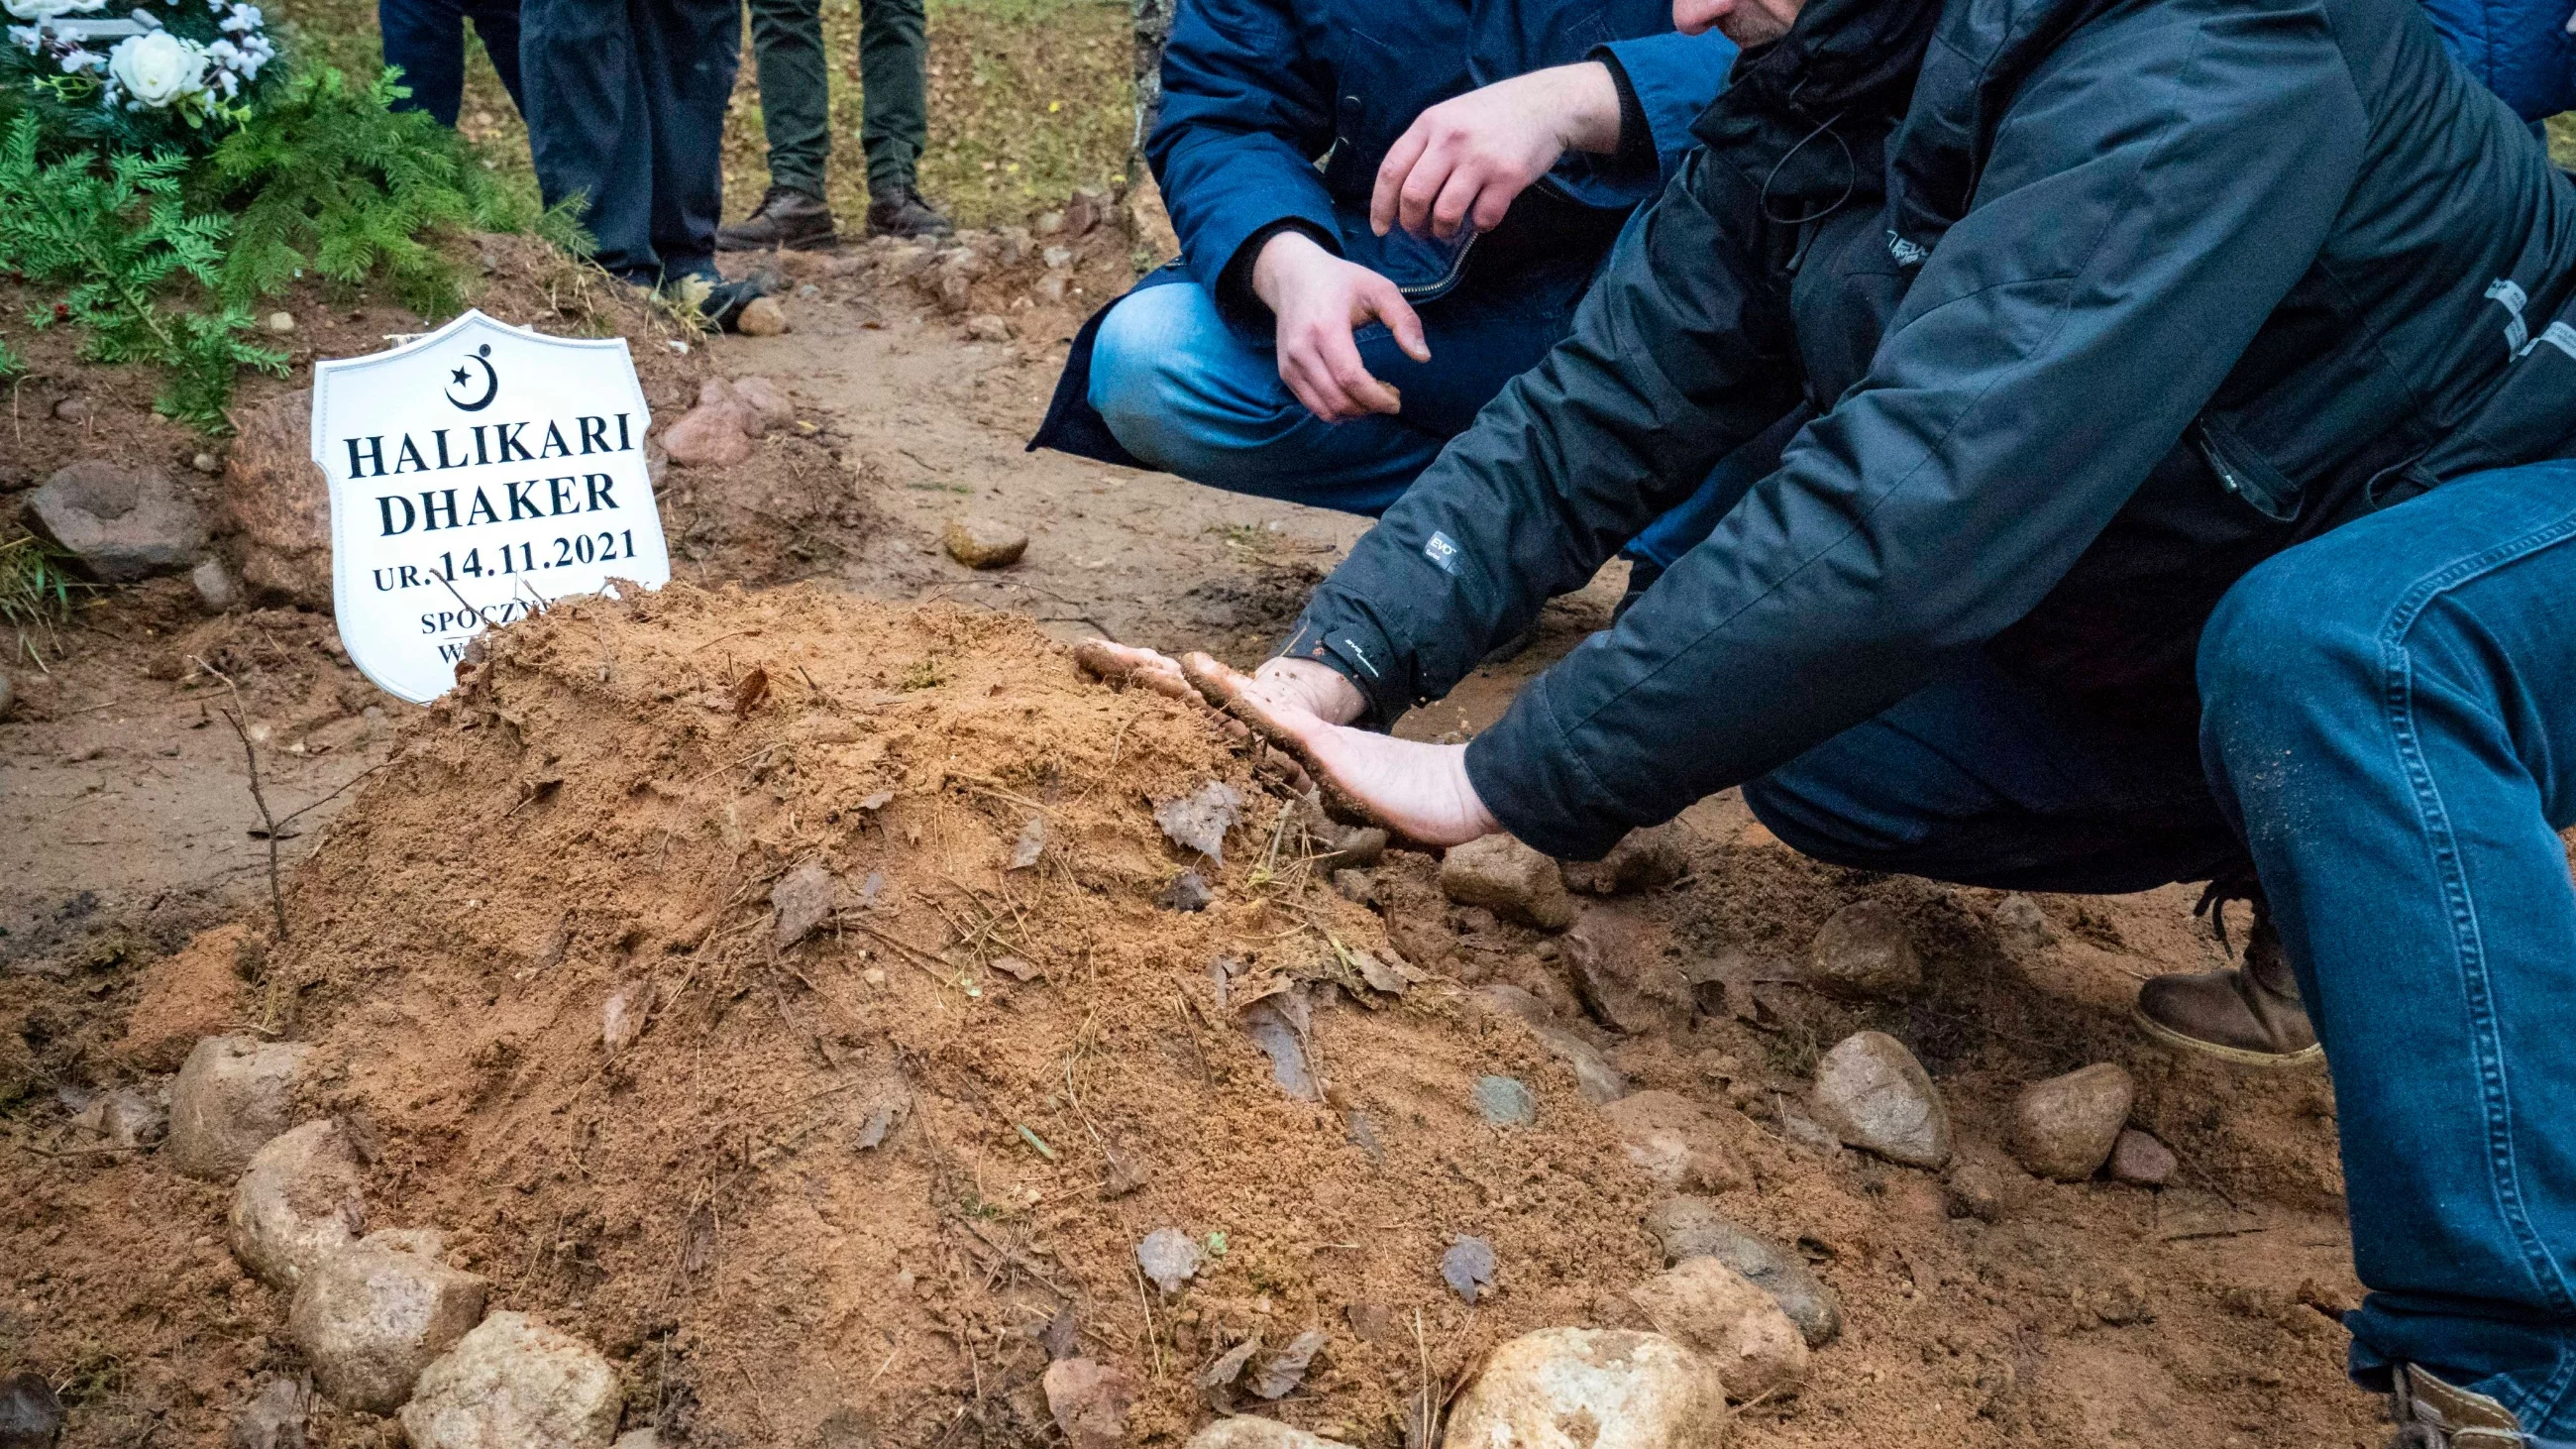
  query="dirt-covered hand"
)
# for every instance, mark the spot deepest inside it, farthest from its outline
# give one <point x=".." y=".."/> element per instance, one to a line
<point x="1461" y="162"/>
<point x="1318" y="299"/>
<point x="1127" y="664"/>
<point x="1421" y="792"/>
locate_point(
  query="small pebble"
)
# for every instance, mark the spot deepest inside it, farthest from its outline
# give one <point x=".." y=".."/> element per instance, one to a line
<point x="1506" y="1102"/>
<point x="72" y="410"/>
<point x="2140" y="1160"/>
<point x="207" y="463"/>
<point x="983" y="543"/>
<point x="1169" y="1257"/>
<point x="1187" y="892"/>
<point x="280" y="323"/>
<point x="762" y="317"/>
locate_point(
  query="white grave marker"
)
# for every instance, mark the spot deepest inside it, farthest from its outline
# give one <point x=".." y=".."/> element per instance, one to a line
<point x="477" y="473"/>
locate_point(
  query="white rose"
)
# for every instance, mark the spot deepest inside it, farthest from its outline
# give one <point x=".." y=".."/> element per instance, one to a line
<point x="157" y="67"/>
<point x="47" y="9"/>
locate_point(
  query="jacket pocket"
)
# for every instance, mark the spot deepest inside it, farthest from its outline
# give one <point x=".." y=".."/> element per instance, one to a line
<point x="2244" y="471"/>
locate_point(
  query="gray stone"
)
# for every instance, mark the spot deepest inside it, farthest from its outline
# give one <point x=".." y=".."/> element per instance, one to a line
<point x="983" y="543"/>
<point x="514" y="1383"/>
<point x="1675" y="1142"/>
<point x="2066" y="1126"/>
<point x="1246" y="1431"/>
<point x="1508" y="878"/>
<point x="1505" y="1102"/>
<point x="233" y="1094"/>
<point x="2022" y="924"/>
<point x="1089" y="1401"/>
<point x="31" y="1416"/>
<point x="1468" y="1267"/>
<point x="369" y="1319"/>
<point x="1170" y="1257"/>
<point x="121" y="523"/>
<point x="1187" y="892"/>
<point x="763" y="317"/>
<point x="128" y="1119"/>
<point x="1623" y="977"/>
<point x="1643" y="860"/>
<point x="1864" y="950"/>
<point x="1625" y="1390"/>
<point x="274" y="1418"/>
<point x="297" y="1204"/>
<point x="1692" y="1227"/>
<point x="2140" y="1160"/>
<point x="1720" y="1314"/>
<point x="1268" y="1024"/>
<point x="638" y="1439"/>
<point x="988" y="327"/>
<point x="218" y="592"/>
<point x="276" y="504"/>
<point x="1872" y="1094"/>
<point x="1600" y="1082"/>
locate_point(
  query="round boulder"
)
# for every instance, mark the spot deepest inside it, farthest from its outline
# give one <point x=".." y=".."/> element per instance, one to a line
<point x="1588" y="1388"/>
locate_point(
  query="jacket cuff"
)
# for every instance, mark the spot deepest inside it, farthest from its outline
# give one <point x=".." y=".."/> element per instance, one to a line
<point x="1235" y="299"/>
<point x="1675" y="77"/>
<point x="1349" y="644"/>
<point x="1636" y="151"/>
<point x="1531" y="776"/>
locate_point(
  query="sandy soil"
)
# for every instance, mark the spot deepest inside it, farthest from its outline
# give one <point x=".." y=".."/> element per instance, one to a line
<point x="2199" y="1315"/>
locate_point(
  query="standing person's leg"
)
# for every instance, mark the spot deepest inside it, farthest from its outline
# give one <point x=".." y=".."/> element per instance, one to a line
<point x="592" y="125"/>
<point x="894" y="121"/>
<point x="687" y="51"/>
<point x="2391" y="715"/>
<point x="427" y="39"/>
<point x="796" y="119"/>
<point x="497" y="21"/>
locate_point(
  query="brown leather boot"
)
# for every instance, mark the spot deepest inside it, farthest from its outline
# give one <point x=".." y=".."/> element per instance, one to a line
<point x="786" y="218"/>
<point x="2251" y="1015"/>
<point x="2431" y="1414"/>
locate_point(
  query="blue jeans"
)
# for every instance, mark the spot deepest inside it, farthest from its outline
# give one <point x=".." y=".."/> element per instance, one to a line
<point x="626" y="107"/>
<point x="2388" y="729"/>
<point x="427" y="39"/>
<point x="1180" y="390"/>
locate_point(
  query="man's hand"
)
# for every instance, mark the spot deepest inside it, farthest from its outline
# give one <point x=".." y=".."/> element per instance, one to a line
<point x="1462" y="161"/>
<point x="1318" y="298"/>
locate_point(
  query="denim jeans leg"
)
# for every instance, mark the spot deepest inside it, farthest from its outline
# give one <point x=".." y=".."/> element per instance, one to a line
<point x="591" y="125"/>
<point x="1181" y="391"/>
<point x="427" y="39"/>
<point x="687" y="52"/>
<point x="497" y="22"/>
<point x="2390" y="718"/>
<point x="1985" y="780"/>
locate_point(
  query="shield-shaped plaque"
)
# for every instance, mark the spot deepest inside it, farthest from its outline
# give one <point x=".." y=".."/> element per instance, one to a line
<point x="477" y="474"/>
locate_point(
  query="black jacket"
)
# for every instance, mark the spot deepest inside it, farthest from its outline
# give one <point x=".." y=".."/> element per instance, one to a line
<point x="2099" y="303"/>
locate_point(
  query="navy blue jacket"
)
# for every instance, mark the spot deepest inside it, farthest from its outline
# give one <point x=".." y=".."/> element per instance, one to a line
<point x="1257" y="92"/>
<point x="2520" y="49"/>
<point x="2098" y="303"/>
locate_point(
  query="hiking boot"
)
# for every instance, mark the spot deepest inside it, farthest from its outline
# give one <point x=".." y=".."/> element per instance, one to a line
<point x="723" y="303"/>
<point x="2431" y="1414"/>
<point x="900" y="211"/>
<point x="786" y="217"/>
<point x="2251" y="1015"/>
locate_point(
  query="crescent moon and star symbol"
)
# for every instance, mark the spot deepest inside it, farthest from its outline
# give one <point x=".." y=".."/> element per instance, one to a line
<point x="461" y="378"/>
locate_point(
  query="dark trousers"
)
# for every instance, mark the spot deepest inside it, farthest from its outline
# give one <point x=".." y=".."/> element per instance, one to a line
<point x="626" y="107"/>
<point x="2388" y="732"/>
<point x="795" y="91"/>
<point x="427" y="39"/>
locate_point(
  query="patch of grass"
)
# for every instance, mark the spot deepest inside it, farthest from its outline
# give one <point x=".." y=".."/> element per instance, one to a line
<point x="2562" y="139"/>
<point x="1029" y="99"/>
<point x="928" y="673"/>
<point x="36" y="589"/>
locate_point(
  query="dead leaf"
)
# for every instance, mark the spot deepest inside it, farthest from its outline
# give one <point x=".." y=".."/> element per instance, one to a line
<point x="749" y="691"/>
<point x="877" y="801"/>
<point x="1228" y="1366"/>
<point x="621" y="1021"/>
<point x="1286" y="1369"/>
<point x="1016" y="969"/>
<point x="1032" y="843"/>
<point x="1199" y="821"/>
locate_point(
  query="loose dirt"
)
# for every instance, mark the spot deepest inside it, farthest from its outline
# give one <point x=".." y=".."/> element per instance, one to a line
<point x="800" y="1207"/>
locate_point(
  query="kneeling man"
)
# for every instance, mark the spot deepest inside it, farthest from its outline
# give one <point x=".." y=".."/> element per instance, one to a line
<point x="2180" y="504"/>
